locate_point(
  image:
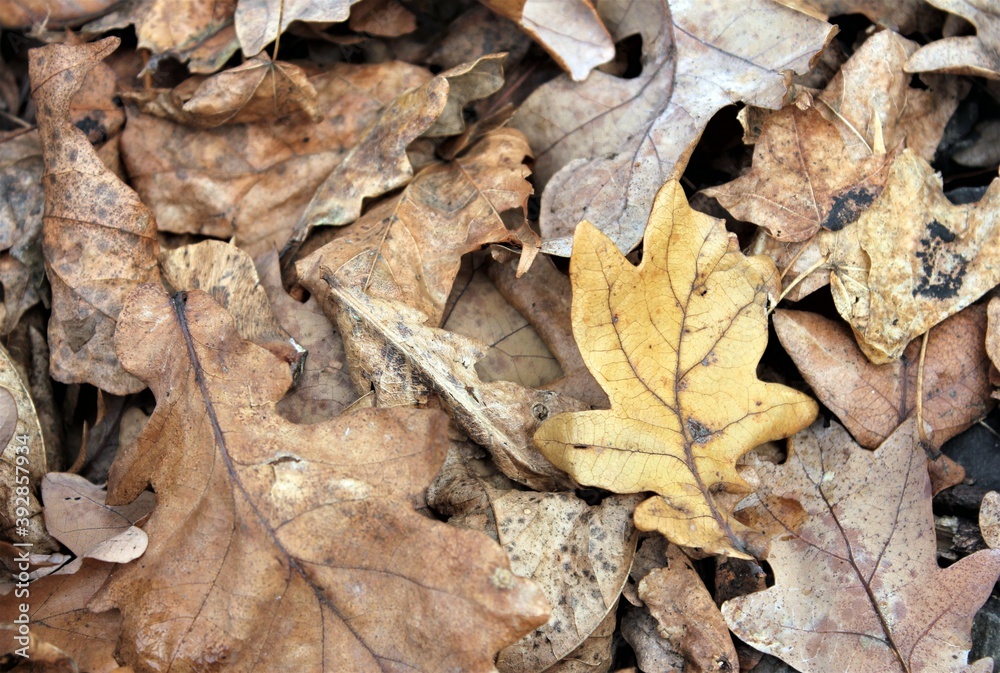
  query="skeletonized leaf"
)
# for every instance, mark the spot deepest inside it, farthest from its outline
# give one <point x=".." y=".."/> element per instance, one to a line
<point x="675" y="343"/>
<point x="99" y="239"/>
<point x="257" y="517"/>
<point x="859" y="573"/>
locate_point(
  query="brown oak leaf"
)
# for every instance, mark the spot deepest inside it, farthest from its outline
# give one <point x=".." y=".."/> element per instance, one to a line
<point x="99" y="239"/>
<point x="857" y="580"/>
<point x="258" y="518"/>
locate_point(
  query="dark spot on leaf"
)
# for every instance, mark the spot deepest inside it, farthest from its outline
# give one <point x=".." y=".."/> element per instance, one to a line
<point x="848" y="206"/>
<point x="942" y="269"/>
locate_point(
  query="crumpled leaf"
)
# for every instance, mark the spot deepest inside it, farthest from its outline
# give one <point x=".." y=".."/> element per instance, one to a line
<point x="312" y="522"/>
<point x="260" y="90"/>
<point x="22" y="202"/>
<point x="77" y="515"/>
<point x="595" y="654"/>
<point x="378" y="162"/>
<point x="977" y="55"/>
<point x="873" y="400"/>
<point x="253" y="181"/>
<point x="323" y="389"/>
<point x="59" y="618"/>
<point x="993" y="339"/>
<point x="604" y="146"/>
<point x="569" y="30"/>
<point x="395" y="356"/>
<point x="22" y="463"/>
<point x="913" y="259"/>
<point x="228" y="274"/>
<point x="385" y="18"/>
<point x="99" y="239"/>
<point x="675" y="343"/>
<point x="904" y="16"/>
<point x="677" y="626"/>
<point x="579" y="554"/>
<point x="182" y="29"/>
<point x="859" y="574"/>
<point x="448" y="210"/>
<point x="260" y="22"/>
<point x="804" y="178"/>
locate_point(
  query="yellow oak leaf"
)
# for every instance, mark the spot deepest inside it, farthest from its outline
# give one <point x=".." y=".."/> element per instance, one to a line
<point x="675" y="343"/>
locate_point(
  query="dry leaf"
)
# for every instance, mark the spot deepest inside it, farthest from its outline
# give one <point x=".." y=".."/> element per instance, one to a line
<point x="27" y="13"/>
<point x="394" y="355"/>
<point x="22" y="463"/>
<point x="448" y="210"/>
<point x="516" y="353"/>
<point x="604" y="146"/>
<point x="228" y="274"/>
<point x="570" y="30"/>
<point x="254" y="180"/>
<point x="993" y="339"/>
<point x="595" y="654"/>
<point x="260" y="22"/>
<point x="873" y="400"/>
<point x="543" y="296"/>
<point x="904" y="16"/>
<point x="22" y="201"/>
<point x="857" y="581"/>
<point x="99" y="240"/>
<point x="260" y="90"/>
<point x="76" y="514"/>
<point x="985" y="149"/>
<point x="803" y="178"/>
<point x="313" y="522"/>
<point x="579" y="554"/>
<point x="989" y="519"/>
<point x="675" y="344"/>
<point x="323" y="389"/>
<point x="378" y="163"/>
<point x="679" y="628"/>
<point x="59" y="617"/>
<point x="385" y="18"/>
<point x="913" y="259"/>
<point x="978" y="56"/>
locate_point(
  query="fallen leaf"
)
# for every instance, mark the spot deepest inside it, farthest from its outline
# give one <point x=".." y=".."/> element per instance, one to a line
<point x="675" y="343"/>
<point x="22" y="201"/>
<point x="385" y="18"/>
<point x="804" y="178"/>
<point x="516" y="353"/>
<point x="543" y="295"/>
<point x="978" y="55"/>
<point x="58" y="616"/>
<point x="260" y="22"/>
<point x="229" y="276"/>
<point x="378" y="163"/>
<point x="993" y="340"/>
<point x="323" y="389"/>
<point x="595" y="654"/>
<point x="679" y="628"/>
<point x="448" y="210"/>
<point x="569" y="30"/>
<point x="578" y="554"/>
<point x="22" y="463"/>
<point x="904" y="16"/>
<point x="604" y="146"/>
<point x="873" y="400"/>
<point x="99" y="239"/>
<point x="989" y="519"/>
<point x="394" y="355"/>
<point x="867" y="554"/>
<point x="253" y="181"/>
<point x="260" y="90"/>
<point x="302" y="508"/>
<point x="27" y="13"/>
<point x="918" y="259"/>
<point x="983" y="152"/>
<point x="76" y="514"/>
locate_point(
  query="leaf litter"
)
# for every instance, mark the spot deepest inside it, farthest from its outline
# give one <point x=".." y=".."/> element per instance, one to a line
<point x="289" y="278"/>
